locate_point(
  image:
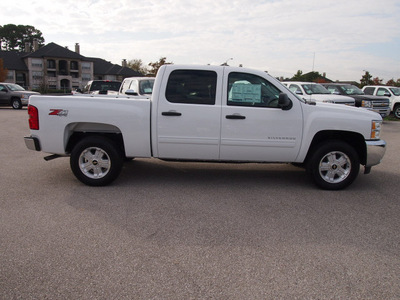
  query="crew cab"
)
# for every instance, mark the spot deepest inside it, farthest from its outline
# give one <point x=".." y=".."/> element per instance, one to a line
<point x="377" y="104"/>
<point x="311" y="91"/>
<point x="392" y="92"/>
<point x="207" y="113"/>
<point x="14" y="95"/>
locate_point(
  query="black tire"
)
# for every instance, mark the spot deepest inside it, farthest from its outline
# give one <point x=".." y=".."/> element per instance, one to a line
<point x="96" y="161"/>
<point x="334" y="165"/>
<point x="396" y="111"/>
<point x="16" y="103"/>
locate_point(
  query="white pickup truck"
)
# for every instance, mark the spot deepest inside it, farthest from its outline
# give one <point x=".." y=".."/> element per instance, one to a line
<point x="207" y="113"/>
<point x="311" y="91"/>
<point x="392" y="92"/>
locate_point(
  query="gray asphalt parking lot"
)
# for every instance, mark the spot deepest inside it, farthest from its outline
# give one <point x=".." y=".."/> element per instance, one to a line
<point x="168" y="230"/>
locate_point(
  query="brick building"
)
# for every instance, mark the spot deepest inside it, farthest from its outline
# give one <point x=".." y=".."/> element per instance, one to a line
<point x="58" y="67"/>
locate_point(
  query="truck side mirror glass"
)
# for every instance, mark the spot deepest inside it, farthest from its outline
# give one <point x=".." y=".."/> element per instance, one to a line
<point x="131" y="93"/>
<point x="284" y="102"/>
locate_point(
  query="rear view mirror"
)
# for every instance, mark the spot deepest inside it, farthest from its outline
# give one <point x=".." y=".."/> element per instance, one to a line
<point x="284" y="102"/>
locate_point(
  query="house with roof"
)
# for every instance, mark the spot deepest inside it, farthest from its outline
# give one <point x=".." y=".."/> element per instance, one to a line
<point x="57" y="67"/>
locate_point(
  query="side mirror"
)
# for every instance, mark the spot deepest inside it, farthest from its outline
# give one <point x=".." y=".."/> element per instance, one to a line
<point x="298" y="92"/>
<point x="284" y="102"/>
<point x="387" y="94"/>
<point x="131" y="93"/>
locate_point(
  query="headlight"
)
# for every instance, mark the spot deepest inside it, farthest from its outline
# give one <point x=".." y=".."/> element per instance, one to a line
<point x="366" y="104"/>
<point x="376" y="129"/>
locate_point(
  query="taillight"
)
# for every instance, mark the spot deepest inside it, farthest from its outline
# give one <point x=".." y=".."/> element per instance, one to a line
<point x="33" y="117"/>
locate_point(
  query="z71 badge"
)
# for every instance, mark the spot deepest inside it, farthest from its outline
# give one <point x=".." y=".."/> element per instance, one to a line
<point x="58" y="112"/>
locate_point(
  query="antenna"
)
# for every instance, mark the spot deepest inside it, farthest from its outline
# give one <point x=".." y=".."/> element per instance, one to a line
<point x="313" y="62"/>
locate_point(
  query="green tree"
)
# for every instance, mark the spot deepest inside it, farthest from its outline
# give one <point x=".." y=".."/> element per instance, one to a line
<point x="3" y="71"/>
<point x="391" y="82"/>
<point x="298" y="76"/>
<point x="138" y="66"/>
<point x="14" y="37"/>
<point x="377" y="81"/>
<point x="366" y="79"/>
<point x="155" y="66"/>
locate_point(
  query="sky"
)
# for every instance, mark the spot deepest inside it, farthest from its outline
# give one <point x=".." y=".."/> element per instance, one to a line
<point x="342" y="38"/>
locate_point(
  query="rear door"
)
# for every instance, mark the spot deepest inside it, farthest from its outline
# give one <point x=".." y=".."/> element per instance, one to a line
<point x="188" y="114"/>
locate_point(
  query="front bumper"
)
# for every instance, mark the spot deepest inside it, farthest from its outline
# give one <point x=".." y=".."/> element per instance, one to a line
<point x="32" y="143"/>
<point x="375" y="152"/>
<point x="383" y="112"/>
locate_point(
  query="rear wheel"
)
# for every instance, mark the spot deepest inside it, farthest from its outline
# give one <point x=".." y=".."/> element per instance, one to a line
<point x="334" y="165"/>
<point x="96" y="161"/>
<point x="16" y="103"/>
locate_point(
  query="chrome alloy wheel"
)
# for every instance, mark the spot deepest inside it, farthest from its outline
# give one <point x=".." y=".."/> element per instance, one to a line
<point x="94" y="162"/>
<point x="334" y="167"/>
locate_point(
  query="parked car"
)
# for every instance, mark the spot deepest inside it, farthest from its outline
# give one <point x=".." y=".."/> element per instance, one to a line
<point x="377" y="104"/>
<point x="100" y="87"/>
<point x="311" y="91"/>
<point x="392" y="92"/>
<point x="14" y="95"/>
<point x="137" y="86"/>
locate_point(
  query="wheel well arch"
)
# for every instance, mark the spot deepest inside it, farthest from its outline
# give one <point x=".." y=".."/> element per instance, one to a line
<point x="75" y="132"/>
<point x="354" y="139"/>
<point x="14" y="98"/>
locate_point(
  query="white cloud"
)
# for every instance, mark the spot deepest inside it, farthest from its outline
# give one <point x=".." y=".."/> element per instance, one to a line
<point x="280" y="36"/>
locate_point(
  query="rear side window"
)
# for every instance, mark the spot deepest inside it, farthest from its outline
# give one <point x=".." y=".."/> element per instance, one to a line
<point x="295" y="89"/>
<point x="369" y="90"/>
<point x="125" y="86"/>
<point x="192" y="87"/>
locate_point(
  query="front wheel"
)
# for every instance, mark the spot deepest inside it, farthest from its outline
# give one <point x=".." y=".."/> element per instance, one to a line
<point x="334" y="165"/>
<point x="396" y="111"/>
<point x="96" y="161"/>
<point x="16" y="103"/>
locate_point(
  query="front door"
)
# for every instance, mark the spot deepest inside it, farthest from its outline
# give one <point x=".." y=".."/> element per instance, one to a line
<point x="4" y="95"/>
<point x="254" y="128"/>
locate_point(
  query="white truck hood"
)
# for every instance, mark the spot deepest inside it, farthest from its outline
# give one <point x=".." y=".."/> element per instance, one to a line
<point x="329" y="97"/>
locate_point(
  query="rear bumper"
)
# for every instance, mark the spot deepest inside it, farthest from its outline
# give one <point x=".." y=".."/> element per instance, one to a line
<point x="32" y="143"/>
<point x="375" y="152"/>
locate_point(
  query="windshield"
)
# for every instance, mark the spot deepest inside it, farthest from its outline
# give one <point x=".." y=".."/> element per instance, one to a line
<point x="312" y="89"/>
<point x="146" y="86"/>
<point x="395" y="91"/>
<point x="15" y="87"/>
<point x="352" y="90"/>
